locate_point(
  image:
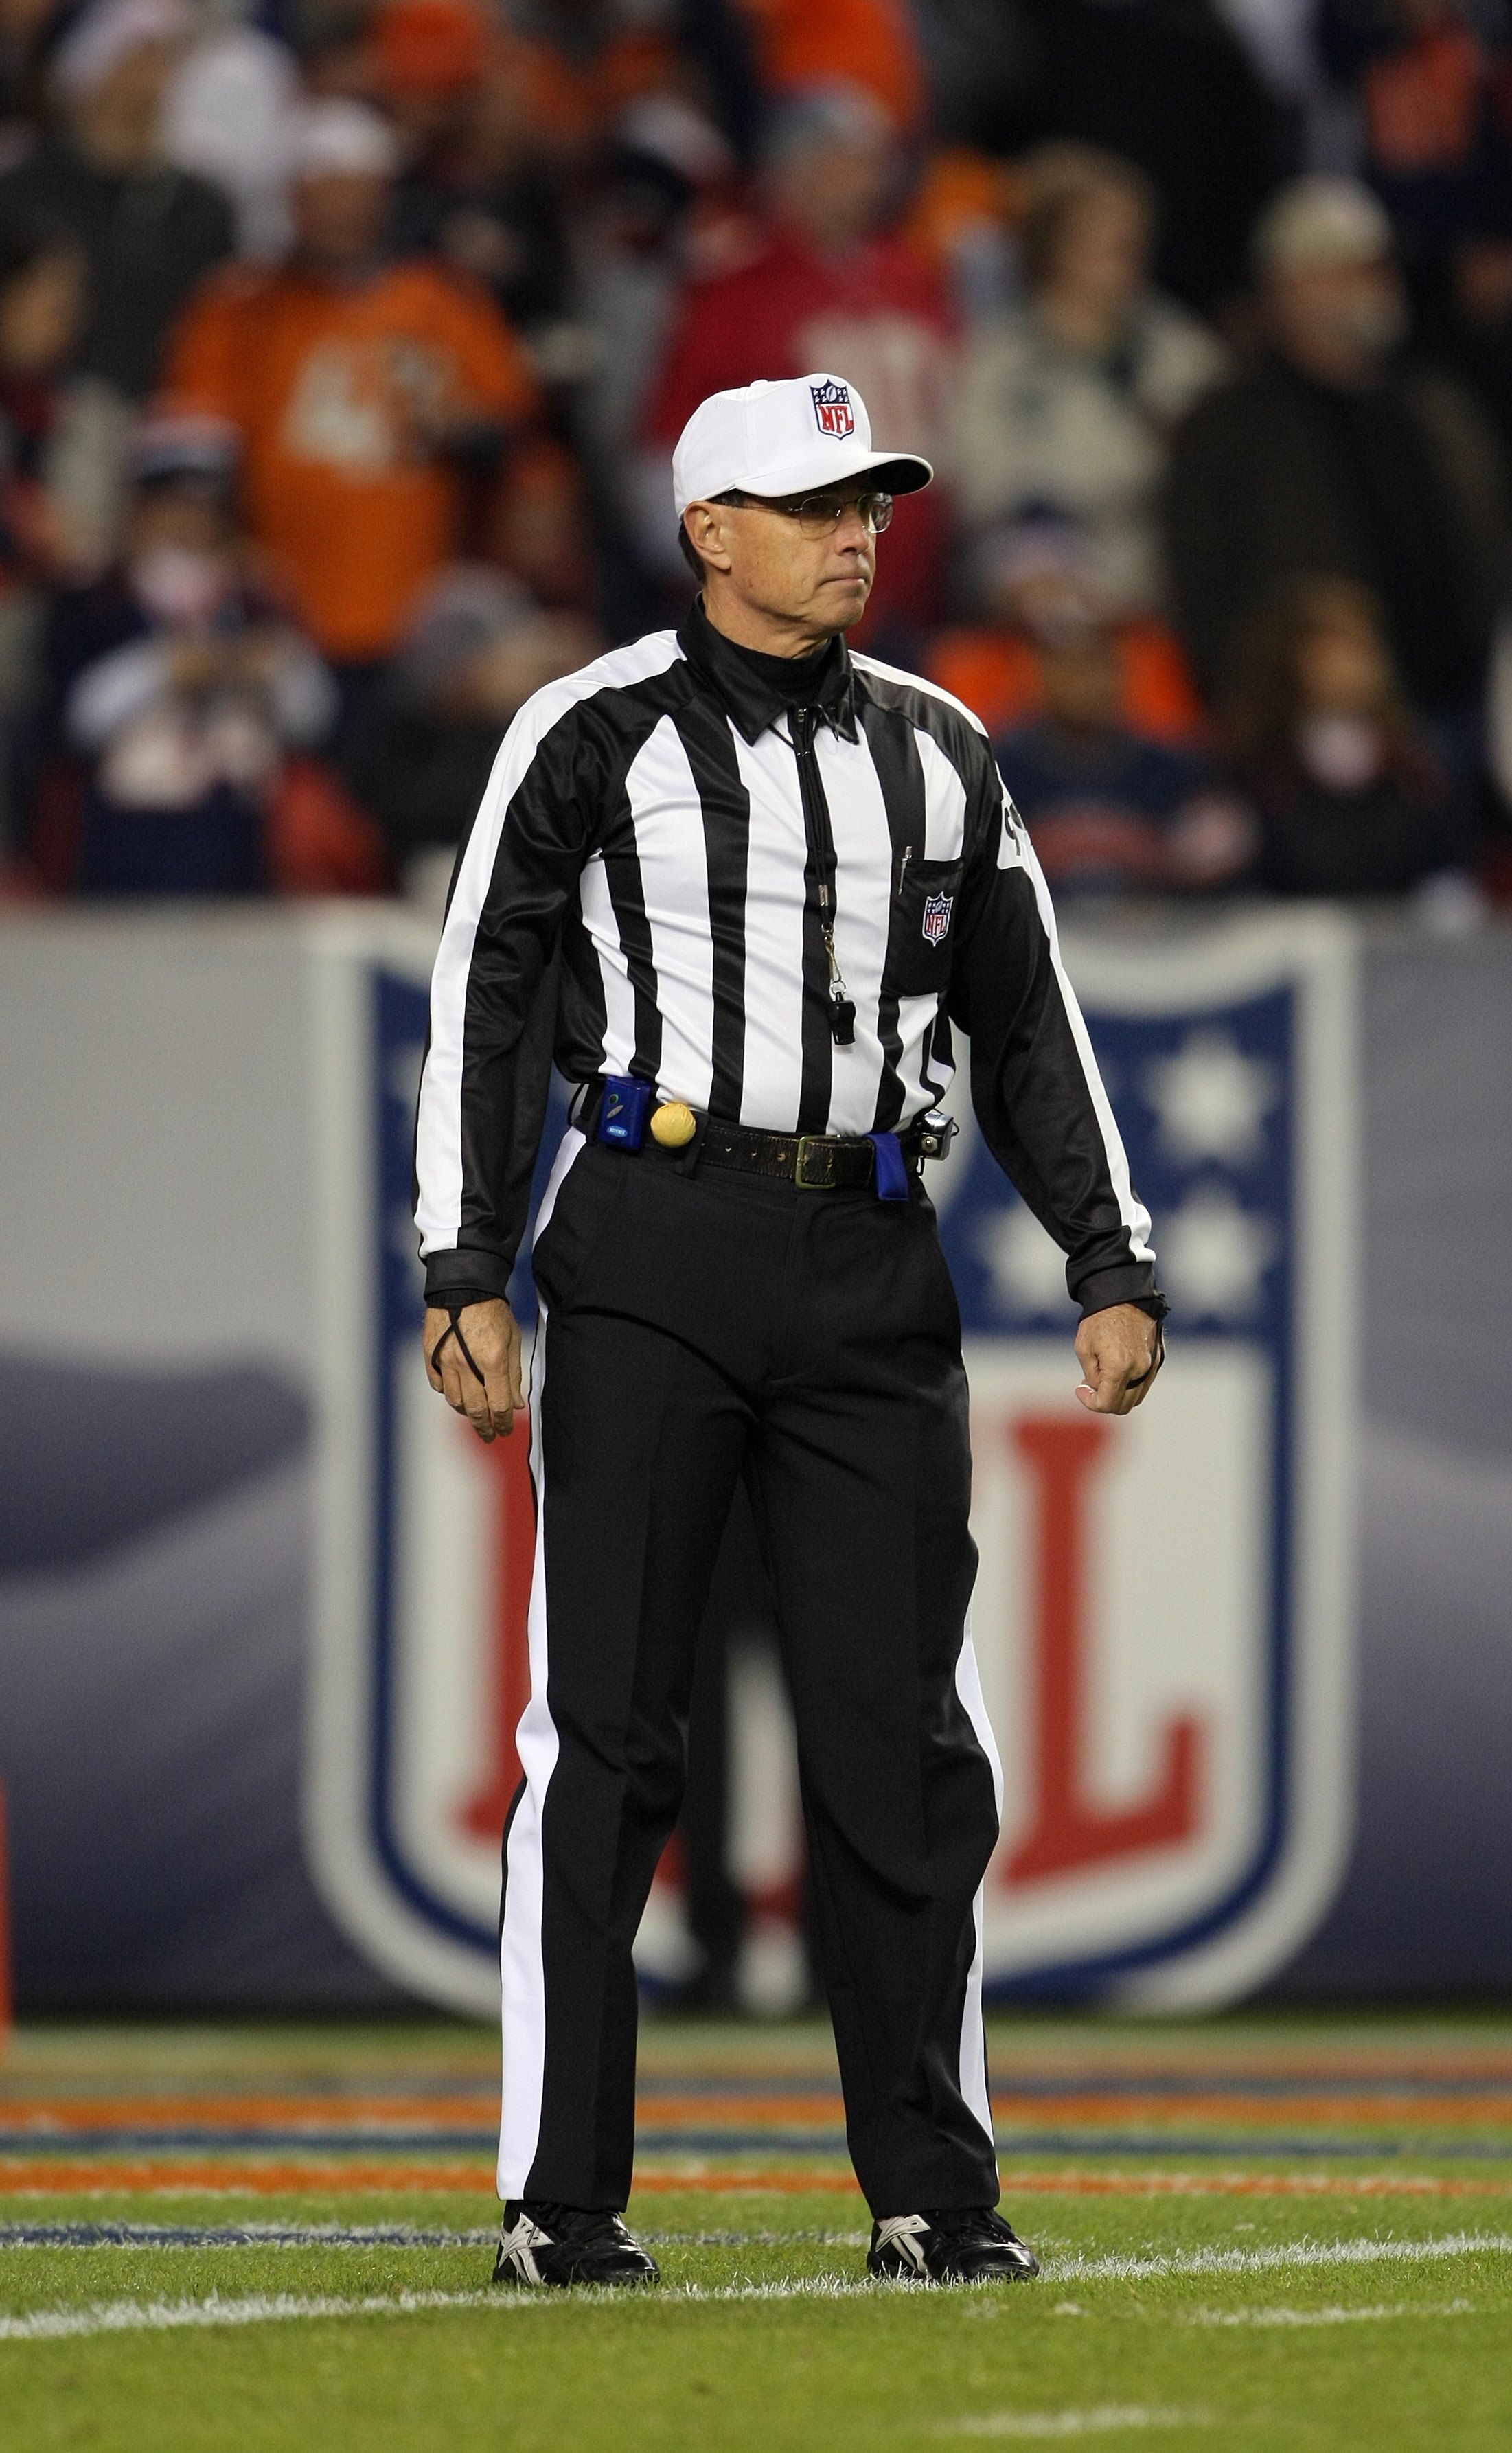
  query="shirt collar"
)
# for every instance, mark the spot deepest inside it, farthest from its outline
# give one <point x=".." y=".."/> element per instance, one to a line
<point x="750" y="700"/>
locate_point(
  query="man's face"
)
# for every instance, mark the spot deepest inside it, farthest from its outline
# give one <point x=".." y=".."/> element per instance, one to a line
<point x="1081" y="681"/>
<point x="115" y="126"/>
<point x="1342" y="668"/>
<point x="816" y="571"/>
<point x="1104" y="257"/>
<point x="187" y="518"/>
<point x="1344" y="316"/>
<point x="41" y="312"/>
<point x="833" y="191"/>
<point x="339" y="216"/>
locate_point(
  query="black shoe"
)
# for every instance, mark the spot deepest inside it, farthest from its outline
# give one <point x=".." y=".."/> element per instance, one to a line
<point x="543" y="2243"/>
<point x="953" y="2244"/>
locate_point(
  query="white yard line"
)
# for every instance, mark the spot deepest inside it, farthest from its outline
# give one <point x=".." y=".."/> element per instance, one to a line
<point x="1099" y="2421"/>
<point x="168" y="2316"/>
<point x="1298" y="2256"/>
<point x="1325" y="2316"/>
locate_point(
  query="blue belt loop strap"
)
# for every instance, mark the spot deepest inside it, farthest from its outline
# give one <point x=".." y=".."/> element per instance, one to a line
<point x="892" y="1176"/>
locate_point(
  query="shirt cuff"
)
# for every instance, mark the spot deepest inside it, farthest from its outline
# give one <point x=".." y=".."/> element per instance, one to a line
<point x="1132" y="1284"/>
<point x="462" y="1277"/>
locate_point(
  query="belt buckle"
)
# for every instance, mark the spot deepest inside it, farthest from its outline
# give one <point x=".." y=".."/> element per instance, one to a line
<point x="815" y="1168"/>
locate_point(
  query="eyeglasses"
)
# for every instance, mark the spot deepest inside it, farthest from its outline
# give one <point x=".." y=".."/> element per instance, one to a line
<point x="819" y="515"/>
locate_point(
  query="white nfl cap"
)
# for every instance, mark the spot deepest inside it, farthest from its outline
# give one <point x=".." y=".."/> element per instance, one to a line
<point x="786" y="438"/>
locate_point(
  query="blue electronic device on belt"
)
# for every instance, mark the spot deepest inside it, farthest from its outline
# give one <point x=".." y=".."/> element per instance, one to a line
<point x="622" y="1115"/>
<point x="892" y="1173"/>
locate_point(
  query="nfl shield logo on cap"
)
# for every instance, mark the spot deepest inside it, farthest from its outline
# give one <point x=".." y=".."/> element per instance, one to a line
<point x="832" y="409"/>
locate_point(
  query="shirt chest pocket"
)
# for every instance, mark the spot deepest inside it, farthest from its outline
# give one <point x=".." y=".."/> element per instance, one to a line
<point x="921" y="927"/>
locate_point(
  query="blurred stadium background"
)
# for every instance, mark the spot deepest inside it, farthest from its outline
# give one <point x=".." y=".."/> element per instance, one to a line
<point x="341" y="348"/>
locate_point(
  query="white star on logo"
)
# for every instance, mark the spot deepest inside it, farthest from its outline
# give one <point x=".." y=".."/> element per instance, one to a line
<point x="1211" y="1100"/>
<point x="1214" y="1254"/>
<point x="1028" y="1270"/>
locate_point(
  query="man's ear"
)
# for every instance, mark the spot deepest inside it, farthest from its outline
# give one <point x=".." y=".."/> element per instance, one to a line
<point x="706" y="531"/>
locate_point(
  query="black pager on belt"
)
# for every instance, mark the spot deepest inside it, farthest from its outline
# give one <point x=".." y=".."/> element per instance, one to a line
<point x="621" y="1116"/>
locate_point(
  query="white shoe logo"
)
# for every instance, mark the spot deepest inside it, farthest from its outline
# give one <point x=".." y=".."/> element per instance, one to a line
<point x="904" y="2233"/>
<point x="515" y="2247"/>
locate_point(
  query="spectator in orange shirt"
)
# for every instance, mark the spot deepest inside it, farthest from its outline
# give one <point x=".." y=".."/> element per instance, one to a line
<point x="1035" y="581"/>
<point x="363" y="392"/>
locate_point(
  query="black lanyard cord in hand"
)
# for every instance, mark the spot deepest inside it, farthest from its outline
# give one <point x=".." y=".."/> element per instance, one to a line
<point x="453" y="1328"/>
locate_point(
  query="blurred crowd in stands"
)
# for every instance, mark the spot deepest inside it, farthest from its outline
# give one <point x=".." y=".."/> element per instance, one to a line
<point x="343" y="345"/>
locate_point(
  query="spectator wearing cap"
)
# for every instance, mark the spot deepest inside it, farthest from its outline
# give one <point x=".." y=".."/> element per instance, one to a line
<point x="1070" y="398"/>
<point x="1327" y="458"/>
<point x="1034" y="579"/>
<point x="148" y="230"/>
<point x="827" y="283"/>
<point x="229" y="113"/>
<point x="175" y="687"/>
<point x="363" y="390"/>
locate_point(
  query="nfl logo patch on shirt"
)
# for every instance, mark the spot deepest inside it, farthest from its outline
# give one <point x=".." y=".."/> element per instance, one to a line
<point x="937" y="917"/>
<point x="832" y="409"/>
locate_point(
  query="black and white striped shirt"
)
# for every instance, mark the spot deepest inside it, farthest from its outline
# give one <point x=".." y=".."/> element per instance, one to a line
<point x="665" y="857"/>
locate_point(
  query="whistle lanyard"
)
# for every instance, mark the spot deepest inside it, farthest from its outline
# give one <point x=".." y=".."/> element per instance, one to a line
<point x="802" y="725"/>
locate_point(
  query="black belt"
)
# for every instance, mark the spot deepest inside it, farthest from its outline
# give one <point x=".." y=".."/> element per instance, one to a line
<point x="814" y="1162"/>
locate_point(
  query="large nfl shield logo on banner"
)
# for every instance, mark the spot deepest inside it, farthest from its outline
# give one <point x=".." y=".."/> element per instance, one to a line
<point x="1164" y="1609"/>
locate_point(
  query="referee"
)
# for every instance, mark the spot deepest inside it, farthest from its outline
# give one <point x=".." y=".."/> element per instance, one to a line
<point x="739" y="883"/>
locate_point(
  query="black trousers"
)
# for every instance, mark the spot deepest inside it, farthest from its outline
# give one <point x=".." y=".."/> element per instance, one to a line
<point x="698" y="1325"/>
<point x="739" y="1614"/>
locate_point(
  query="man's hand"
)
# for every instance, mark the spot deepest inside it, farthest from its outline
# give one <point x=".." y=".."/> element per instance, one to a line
<point x="491" y="1338"/>
<point x="1120" y="1352"/>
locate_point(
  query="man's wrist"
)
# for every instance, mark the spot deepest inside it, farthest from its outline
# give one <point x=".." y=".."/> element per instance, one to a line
<point x="1106" y="1294"/>
<point x="454" y="1278"/>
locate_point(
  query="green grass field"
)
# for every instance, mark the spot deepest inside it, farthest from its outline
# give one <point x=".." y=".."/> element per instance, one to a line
<point x="1262" y="2233"/>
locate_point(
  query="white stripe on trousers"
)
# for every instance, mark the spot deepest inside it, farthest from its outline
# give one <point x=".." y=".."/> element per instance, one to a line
<point x="973" y="2035"/>
<point x="522" y="1967"/>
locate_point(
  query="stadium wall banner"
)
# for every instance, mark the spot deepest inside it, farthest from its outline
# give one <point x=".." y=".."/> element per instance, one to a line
<point x="1164" y="1612"/>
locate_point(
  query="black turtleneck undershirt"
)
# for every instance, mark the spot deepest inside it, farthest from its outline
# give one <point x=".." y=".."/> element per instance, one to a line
<point x="798" y="681"/>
